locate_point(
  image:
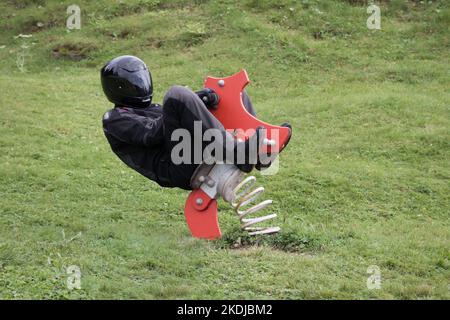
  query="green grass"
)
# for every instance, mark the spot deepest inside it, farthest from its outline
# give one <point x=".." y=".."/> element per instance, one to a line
<point x="365" y="180"/>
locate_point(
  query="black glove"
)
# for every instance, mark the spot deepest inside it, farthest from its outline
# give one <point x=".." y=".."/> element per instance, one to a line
<point x="209" y="97"/>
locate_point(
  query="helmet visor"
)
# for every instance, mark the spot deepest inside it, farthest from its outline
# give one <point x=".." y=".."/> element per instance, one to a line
<point x="138" y="83"/>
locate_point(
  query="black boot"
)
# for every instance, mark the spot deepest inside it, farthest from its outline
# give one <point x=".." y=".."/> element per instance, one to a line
<point x="251" y="151"/>
<point x="259" y="166"/>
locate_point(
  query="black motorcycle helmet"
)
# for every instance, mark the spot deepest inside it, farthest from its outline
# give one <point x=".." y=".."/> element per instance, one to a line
<point x="126" y="81"/>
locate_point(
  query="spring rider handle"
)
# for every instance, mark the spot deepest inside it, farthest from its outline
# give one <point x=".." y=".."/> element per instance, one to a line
<point x="201" y="205"/>
<point x="232" y="114"/>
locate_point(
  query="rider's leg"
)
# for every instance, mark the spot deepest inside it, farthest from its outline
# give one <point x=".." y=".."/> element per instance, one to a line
<point x="182" y="108"/>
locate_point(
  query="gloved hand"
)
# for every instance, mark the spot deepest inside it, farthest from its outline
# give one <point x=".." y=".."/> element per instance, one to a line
<point x="209" y="97"/>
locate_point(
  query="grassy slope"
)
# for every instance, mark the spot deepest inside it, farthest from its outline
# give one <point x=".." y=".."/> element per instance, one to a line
<point x="365" y="180"/>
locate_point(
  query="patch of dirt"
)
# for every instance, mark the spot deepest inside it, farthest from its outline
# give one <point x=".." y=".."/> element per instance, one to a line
<point x="283" y="241"/>
<point x="34" y="26"/>
<point x="154" y="43"/>
<point x="72" y="51"/>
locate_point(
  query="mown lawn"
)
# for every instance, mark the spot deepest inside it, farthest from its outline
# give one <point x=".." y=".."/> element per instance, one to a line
<point x="365" y="180"/>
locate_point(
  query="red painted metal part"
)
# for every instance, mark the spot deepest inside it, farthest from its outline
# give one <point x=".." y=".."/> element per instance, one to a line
<point x="233" y="115"/>
<point x="202" y="219"/>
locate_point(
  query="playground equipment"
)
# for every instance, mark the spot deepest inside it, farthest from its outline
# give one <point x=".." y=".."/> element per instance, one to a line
<point x="209" y="182"/>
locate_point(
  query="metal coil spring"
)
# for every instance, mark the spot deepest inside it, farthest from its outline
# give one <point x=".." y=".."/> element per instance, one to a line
<point x="243" y="197"/>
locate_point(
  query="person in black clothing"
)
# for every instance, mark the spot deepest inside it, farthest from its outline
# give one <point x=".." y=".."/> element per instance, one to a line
<point x="139" y="132"/>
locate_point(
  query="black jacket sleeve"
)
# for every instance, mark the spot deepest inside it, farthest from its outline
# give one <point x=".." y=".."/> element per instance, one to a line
<point x="134" y="129"/>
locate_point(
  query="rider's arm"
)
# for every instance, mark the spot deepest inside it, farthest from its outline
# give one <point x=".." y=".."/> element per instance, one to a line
<point x="134" y="129"/>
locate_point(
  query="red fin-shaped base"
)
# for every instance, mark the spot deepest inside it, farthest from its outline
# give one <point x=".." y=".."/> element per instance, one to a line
<point x="202" y="219"/>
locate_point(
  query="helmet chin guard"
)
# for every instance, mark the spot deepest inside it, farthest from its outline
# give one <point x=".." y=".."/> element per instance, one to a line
<point x="226" y="180"/>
